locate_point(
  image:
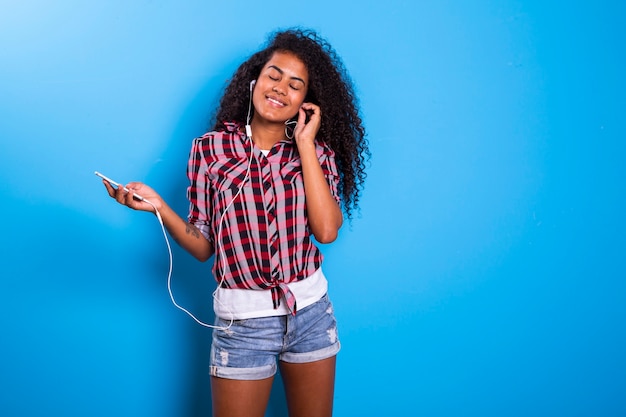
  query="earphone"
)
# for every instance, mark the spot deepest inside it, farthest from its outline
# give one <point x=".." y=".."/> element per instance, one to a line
<point x="220" y="224"/>
<point x="248" y="128"/>
<point x="219" y="228"/>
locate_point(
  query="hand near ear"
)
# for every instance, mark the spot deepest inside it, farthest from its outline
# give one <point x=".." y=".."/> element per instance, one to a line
<point x="305" y="132"/>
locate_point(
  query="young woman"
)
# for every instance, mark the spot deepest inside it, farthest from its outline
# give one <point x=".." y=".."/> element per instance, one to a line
<point x="282" y="164"/>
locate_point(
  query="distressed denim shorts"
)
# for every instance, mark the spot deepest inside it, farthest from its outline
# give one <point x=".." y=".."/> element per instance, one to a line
<point x="249" y="348"/>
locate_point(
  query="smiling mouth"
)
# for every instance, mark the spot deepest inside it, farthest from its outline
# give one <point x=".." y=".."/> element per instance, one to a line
<point x="276" y="102"/>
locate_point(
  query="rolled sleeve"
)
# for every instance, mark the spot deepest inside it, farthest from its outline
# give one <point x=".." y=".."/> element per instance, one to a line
<point x="198" y="190"/>
<point x="326" y="157"/>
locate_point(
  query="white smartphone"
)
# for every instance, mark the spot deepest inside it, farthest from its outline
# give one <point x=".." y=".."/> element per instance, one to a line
<point x="118" y="185"/>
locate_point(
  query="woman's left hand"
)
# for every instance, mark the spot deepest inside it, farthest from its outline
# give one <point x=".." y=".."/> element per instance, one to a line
<point x="304" y="132"/>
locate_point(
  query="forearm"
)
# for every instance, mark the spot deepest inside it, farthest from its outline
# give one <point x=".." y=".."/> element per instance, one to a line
<point x="185" y="234"/>
<point x="324" y="214"/>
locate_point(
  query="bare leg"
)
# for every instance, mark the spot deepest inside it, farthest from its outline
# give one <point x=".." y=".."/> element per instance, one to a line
<point x="236" y="398"/>
<point x="309" y="387"/>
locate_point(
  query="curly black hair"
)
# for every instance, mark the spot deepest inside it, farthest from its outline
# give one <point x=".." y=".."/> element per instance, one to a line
<point x="330" y="87"/>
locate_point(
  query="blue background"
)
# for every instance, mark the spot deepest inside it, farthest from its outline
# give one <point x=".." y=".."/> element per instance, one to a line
<point x="483" y="276"/>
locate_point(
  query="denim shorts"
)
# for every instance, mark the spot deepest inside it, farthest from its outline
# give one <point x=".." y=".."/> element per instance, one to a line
<point x="249" y="348"/>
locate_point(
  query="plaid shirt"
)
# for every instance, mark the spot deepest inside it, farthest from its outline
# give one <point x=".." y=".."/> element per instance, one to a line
<point x="256" y="220"/>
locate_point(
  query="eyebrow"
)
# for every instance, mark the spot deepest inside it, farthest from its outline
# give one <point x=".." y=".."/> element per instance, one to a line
<point x="282" y="72"/>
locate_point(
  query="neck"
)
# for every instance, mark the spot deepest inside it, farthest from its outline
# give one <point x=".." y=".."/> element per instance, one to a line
<point x="265" y="135"/>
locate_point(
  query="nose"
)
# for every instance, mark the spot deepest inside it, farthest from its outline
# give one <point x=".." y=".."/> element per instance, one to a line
<point x="280" y="88"/>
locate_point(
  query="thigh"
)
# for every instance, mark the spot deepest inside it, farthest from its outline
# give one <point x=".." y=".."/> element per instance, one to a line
<point x="240" y="398"/>
<point x="247" y="350"/>
<point x="309" y="387"/>
<point x="312" y="334"/>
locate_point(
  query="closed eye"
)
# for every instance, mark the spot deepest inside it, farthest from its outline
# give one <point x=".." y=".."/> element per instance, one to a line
<point x="276" y="74"/>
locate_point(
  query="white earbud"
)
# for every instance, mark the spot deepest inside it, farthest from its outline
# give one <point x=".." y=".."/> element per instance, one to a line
<point x="248" y="128"/>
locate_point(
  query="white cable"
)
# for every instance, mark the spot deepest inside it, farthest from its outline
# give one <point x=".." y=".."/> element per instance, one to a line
<point x="169" y="276"/>
<point x="219" y="231"/>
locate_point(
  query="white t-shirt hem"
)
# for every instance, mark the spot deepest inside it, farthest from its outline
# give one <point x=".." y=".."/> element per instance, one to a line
<point x="239" y="304"/>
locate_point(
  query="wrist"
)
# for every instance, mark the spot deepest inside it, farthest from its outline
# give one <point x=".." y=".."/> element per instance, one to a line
<point x="305" y="146"/>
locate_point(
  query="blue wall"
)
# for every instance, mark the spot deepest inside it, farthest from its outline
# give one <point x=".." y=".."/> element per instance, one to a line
<point x="484" y="275"/>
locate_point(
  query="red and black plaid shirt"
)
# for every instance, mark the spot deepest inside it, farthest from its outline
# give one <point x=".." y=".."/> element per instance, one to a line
<point x="257" y="223"/>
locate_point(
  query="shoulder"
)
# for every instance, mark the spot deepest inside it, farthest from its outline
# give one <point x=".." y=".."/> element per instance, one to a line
<point x="232" y="130"/>
<point x="323" y="150"/>
<point x="220" y="144"/>
<point x="223" y="138"/>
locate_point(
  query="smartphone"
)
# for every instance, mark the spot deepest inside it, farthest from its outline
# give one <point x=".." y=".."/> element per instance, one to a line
<point x="118" y="185"/>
